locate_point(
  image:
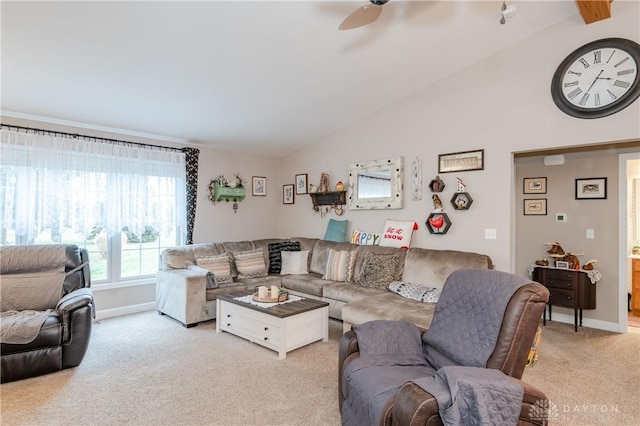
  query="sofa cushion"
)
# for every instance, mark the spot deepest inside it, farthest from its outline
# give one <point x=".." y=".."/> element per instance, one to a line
<point x="433" y="267"/>
<point x="250" y="263"/>
<point x="421" y="293"/>
<point x="321" y="251"/>
<point x="311" y="284"/>
<point x="275" y="257"/>
<point x="388" y="306"/>
<point x="294" y="263"/>
<point x="348" y="292"/>
<point x="336" y="231"/>
<point x="340" y="264"/>
<point x="220" y="265"/>
<point x="236" y="246"/>
<point x="378" y="270"/>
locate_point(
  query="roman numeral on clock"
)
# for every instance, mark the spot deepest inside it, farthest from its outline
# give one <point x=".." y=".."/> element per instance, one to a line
<point x="623" y="84"/>
<point x="611" y="94"/>
<point x="621" y="62"/>
<point x="597" y="56"/>
<point x="584" y="62"/>
<point x="584" y="99"/>
<point x="596" y="99"/>
<point x="625" y="72"/>
<point x="574" y="93"/>
<point x="575" y="73"/>
<point x="571" y="83"/>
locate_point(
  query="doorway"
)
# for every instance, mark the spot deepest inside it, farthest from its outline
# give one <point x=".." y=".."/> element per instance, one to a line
<point x="629" y="231"/>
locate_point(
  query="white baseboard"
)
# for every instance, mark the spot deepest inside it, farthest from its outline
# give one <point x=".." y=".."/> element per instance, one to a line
<point x="125" y="310"/>
<point x="591" y="323"/>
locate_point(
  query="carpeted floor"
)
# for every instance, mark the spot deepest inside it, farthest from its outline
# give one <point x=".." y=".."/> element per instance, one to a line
<point x="146" y="369"/>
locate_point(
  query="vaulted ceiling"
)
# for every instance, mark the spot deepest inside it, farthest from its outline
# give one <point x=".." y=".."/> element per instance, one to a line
<point x="265" y="76"/>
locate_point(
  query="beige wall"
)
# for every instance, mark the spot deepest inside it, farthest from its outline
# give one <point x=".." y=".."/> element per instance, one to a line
<point x="532" y="232"/>
<point x="501" y="104"/>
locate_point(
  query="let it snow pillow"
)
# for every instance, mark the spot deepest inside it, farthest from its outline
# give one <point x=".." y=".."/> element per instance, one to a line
<point x="397" y="234"/>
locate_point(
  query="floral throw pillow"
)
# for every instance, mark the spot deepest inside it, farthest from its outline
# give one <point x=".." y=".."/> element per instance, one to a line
<point x="418" y="292"/>
<point x="340" y="265"/>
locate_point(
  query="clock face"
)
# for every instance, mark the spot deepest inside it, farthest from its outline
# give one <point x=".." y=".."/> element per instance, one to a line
<point x="598" y="79"/>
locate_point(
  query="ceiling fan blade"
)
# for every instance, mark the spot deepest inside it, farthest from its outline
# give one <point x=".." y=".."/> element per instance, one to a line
<point x="361" y="16"/>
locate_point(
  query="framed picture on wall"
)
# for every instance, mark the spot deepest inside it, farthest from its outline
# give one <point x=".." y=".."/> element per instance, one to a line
<point x="535" y="207"/>
<point x="259" y="186"/>
<point x="301" y="184"/>
<point x="535" y="185"/>
<point x="591" y="189"/>
<point x="287" y="194"/>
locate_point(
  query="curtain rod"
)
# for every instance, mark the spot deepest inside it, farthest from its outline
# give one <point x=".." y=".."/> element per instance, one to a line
<point x="94" y="138"/>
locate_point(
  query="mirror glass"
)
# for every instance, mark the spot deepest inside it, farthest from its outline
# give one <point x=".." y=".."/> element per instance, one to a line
<point x="376" y="184"/>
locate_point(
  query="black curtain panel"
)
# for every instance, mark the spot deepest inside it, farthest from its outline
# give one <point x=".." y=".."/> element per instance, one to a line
<point x="191" y="163"/>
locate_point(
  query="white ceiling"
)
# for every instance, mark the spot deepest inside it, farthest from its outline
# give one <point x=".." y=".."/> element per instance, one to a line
<point x="265" y="77"/>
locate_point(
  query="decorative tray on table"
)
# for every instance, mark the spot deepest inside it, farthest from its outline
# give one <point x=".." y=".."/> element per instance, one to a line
<point x="281" y="297"/>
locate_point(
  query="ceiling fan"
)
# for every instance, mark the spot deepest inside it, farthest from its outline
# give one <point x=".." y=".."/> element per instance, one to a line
<point x="363" y="15"/>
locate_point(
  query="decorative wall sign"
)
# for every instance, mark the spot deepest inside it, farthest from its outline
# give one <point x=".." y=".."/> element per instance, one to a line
<point x="416" y="179"/>
<point x="287" y="194"/>
<point x="461" y="161"/>
<point x="591" y="189"/>
<point x="438" y="223"/>
<point x="537" y="207"/>
<point x="259" y="186"/>
<point x="301" y="184"/>
<point x="534" y="185"/>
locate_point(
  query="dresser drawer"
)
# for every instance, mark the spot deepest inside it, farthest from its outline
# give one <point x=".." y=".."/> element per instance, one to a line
<point x="559" y="297"/>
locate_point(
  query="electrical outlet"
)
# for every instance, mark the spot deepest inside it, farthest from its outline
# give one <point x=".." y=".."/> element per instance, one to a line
<point x="561" y="217"/>
<point x="490" y="234"/>
<point x="591" y="234"/>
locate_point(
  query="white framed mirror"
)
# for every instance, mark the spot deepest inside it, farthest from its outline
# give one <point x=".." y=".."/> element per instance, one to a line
<point x="376" y="184"/>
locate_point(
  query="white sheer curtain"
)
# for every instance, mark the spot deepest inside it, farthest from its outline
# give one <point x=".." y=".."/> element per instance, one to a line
<point x="58" y="182"/>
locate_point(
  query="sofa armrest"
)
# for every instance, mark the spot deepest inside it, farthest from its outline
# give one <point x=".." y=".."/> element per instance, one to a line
<point x="414" y="406"/>
<point x="77" y="299"/>
<point x="181" y="294"/>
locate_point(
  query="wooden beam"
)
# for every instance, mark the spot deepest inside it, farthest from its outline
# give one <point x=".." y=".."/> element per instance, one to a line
<point x="594" y="10"/>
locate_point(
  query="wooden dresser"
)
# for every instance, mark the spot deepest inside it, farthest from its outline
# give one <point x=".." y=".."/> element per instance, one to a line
<point x="635" y="287"/>
<point x="569" y="289"/>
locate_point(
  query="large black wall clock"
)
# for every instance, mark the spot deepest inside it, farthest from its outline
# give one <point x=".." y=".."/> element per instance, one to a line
<point x="598" y="79"/>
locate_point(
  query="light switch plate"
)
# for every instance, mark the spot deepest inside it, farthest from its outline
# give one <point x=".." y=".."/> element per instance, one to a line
<point x="591" y="234"/>
<point x="490" y="234"/>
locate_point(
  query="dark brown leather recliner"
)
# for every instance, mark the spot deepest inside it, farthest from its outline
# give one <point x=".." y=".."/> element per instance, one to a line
<point x="64" y="337"/>
<point x="412" y="405"/>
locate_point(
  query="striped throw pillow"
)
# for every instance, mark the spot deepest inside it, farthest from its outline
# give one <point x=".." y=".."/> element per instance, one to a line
<point x="219" y="265"/>
<point x="340" y="265"/>
<point x="250" y="263"/>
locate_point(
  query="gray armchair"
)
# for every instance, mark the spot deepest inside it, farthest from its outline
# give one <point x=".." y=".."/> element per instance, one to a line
<point x="484" y="319"/>
<point x="64" y="303"/>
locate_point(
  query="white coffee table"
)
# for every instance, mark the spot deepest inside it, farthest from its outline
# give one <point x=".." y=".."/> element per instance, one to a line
<point x="280" y="327"/>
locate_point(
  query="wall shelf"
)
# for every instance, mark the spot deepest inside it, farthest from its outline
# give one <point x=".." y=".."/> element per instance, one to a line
<point x="225" y="193"/>
<point x="335" y="198"/>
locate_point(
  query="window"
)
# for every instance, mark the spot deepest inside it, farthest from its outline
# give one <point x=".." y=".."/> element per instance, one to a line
<point x="125" y="203"/>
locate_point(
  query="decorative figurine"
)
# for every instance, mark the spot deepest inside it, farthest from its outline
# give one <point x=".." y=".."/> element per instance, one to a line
<point x="339" y="186"/>
<point x="437" y="203"/>
<point x="588" y="265"/>
<point x="324" y="182"/>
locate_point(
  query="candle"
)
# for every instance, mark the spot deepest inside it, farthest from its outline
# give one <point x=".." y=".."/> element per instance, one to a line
<point x="262" y="292"/>
<point x="275" y="292"/>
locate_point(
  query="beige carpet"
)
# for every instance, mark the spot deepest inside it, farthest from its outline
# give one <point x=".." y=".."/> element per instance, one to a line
<point x="145" y="369"/>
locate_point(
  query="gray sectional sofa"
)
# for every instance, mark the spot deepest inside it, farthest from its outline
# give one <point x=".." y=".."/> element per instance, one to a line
<point x="183" y="293"/>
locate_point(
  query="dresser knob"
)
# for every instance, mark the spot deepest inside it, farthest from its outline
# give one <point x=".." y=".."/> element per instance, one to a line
<point x="228" y="315"/>
<point x="569" y="285"/>
<point x="228" y="325"/>
<point x="266" y="338"/>
<point x="266" y="329"/>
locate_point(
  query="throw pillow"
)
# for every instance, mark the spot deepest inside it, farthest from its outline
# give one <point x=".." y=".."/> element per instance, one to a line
<point x="418" y="292"/>
<point x="294" y="262"/>
<point x="364" y="238"/>
<point x="378" y="270"/>
<point x="340" y="264"/>
<point x="250" y="263"/>
<point x="219" y="265"/>
<point x="397" y="234"/>
<point x="275" y="259"/>
<point x="336" y="231"/>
